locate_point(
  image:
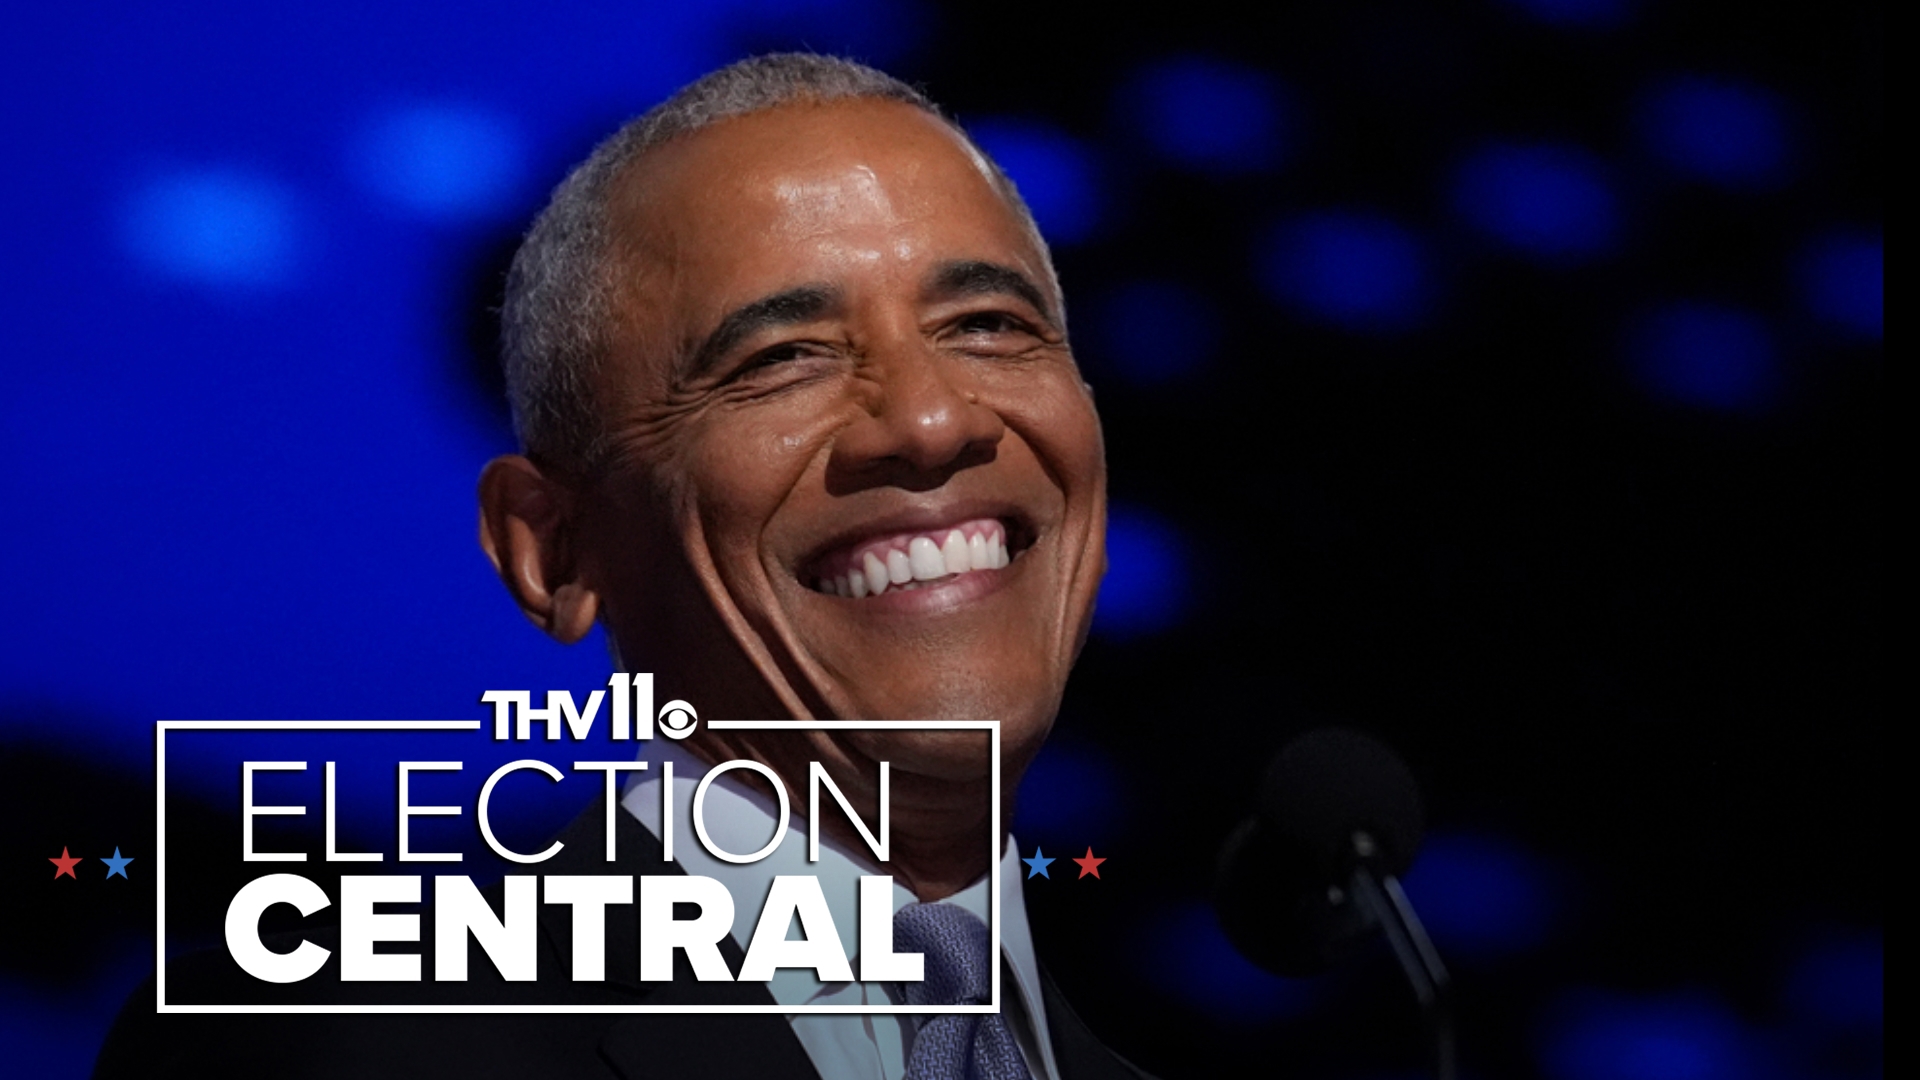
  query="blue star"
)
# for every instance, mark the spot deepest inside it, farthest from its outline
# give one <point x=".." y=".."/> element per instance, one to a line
<point x="117" y="865"/>
<point x="1036" y="866"/>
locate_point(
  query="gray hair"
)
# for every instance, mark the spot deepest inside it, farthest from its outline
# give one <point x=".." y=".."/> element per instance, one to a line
<point x="557" y="318"/>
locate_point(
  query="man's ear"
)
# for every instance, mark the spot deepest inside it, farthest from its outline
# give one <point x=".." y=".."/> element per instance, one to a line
<point x="529" y="529"/>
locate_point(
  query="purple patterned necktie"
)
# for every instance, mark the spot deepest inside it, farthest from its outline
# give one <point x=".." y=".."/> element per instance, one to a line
<point x="959" y="971"/>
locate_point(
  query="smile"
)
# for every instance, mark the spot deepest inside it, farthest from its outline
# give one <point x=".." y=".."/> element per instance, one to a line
<point x="913" y="560"/>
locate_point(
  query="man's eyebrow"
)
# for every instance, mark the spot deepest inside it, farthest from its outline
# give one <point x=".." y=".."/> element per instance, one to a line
<point x="803" y="303"/>
<point x="979" y="278"/>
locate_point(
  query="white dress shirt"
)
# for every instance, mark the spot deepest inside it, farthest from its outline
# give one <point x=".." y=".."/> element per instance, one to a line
<point x="843" y="1047"/>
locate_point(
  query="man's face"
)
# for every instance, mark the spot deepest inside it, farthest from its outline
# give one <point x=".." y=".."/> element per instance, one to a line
<point x="840" y="362"/>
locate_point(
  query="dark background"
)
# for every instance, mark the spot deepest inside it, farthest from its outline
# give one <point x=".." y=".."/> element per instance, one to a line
<point x="1502" y="378"/>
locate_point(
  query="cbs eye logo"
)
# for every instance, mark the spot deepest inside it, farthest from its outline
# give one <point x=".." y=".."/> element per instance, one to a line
<point x="677" y="719"/>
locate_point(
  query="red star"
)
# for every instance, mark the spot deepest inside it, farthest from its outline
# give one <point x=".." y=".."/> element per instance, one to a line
<point x="66" y="863"/>
<point x="1088" y="864"/>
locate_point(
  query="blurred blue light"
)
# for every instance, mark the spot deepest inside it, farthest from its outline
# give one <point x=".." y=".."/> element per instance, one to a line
<point x="1549" y="202"/>
<point x="1153" y="332"/>
<point x="1481" y="896"/>
<point x="1197" y="963"/>
<point x="1577" y="14"/>
<point x="1707" y="356"/>
<point x="221" y="228"/>
<point x="54" y="1040"/>
<point x="1070" y="794"/>
<point x="441" y="161"/>
<point x="1722" y="132"/>
<point x="1357" y="271"/>
<point x="1208" y="115"/>
<point x="1843" y="283"/>
<point x="1842" y="984"/>
<point x="1054" y="172"/>
<point x="1596" y="1036"/>
<point x="872" y="31"/>
<point x="1145" y="589"/>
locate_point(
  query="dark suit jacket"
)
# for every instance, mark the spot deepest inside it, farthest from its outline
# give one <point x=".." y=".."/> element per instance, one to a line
<point x="600" y="1046"/>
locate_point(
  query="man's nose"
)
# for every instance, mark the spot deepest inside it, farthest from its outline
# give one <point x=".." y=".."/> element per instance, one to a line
<point x="924" y="421"/>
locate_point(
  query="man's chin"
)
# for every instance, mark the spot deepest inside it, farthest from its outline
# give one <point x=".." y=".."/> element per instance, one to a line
<point x="961" y="756"/>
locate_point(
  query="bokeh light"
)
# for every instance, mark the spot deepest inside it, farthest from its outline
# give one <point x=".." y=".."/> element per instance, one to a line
<point x="1353" y="270"/>
<point x="1207" y="114"/>
<point x="441" y="161"/>
<point x="1840" y="983"/>
<point x="1070" y="794"/>
<point x="1843" y="283"/>
<point x="1597" y="1035"/>
<point x="222" y="228"/>
<point x="1550" y="202"/>
<point x="1054" y="172"/>
<point x="1719" y="131"/>
<point x="1707" y="356"/>
<point x="1481" y="896"/>
<point x="1147" y="585"/>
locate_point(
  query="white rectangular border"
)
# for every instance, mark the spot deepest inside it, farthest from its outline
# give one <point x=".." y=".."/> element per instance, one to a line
<point x="160" y="871"/>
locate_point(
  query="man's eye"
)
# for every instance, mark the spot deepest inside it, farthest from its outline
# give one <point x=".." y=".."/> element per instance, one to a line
<point x="778" y="354"/>
<point x="991" y="322"/>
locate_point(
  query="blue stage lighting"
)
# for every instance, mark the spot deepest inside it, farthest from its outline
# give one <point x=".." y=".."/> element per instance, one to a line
<point x="874" y="31"/>
<point x="1577" y="14"/>
<point x="1358" y="271"/>
<point x="1597" y="1036"/>
<point x="1481" y="896"/>
<point x="222" y="228"/>
<point x="441" y="161"/>
<point x="1706" y="356"/>
<point x="1192" y="957"/>
<point x="1207" y="114"/>
<point x="1152" y="332"/>
<point x="51" y="1032"/>
<point x="1842" y="983"/>
<point x="1145" y="589"/>
<point x="1550" y="202"/>
<point x="1054" y="171"/>
<point x="1719" y="131"/>
<point x="1070" y="792"/>
<point x="1843" y="283"/>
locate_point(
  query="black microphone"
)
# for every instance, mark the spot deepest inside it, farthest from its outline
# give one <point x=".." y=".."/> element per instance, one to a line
<point x="1315" y="871"/>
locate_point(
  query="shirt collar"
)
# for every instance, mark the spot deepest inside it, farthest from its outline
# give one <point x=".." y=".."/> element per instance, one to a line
<point x="740" y="818"/>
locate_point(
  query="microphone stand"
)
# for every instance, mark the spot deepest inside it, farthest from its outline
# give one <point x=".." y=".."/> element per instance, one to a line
<point x="1382" y="900"/>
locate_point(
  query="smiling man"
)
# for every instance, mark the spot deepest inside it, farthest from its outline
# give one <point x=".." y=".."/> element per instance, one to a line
<point x="802" y="430"/>
<point x="801" y="427"/>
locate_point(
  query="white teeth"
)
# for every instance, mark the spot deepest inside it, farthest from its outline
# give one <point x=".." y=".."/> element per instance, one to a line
<point x="923" y="555"/>
<point x="954" y="555"/>
<point x="929" y="557"/>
